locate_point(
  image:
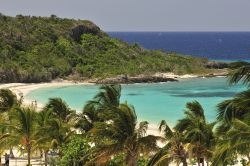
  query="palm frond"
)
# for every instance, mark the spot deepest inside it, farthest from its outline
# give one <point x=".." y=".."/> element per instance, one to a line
<point x="7" y="100"/>
<point x="240" y="74"/>
<point x="161" y="158"/>
<point x="167" y="130"/>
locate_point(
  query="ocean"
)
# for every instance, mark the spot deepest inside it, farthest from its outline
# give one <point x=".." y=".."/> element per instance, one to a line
<point x="227" y="46"/>
<point x="152" y="102"/>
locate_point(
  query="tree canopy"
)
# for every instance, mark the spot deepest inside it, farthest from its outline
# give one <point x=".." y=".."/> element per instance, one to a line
<point x="39" y="49"/>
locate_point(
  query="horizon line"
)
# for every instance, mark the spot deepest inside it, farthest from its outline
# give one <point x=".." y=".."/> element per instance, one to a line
<point x="176" y="31"/>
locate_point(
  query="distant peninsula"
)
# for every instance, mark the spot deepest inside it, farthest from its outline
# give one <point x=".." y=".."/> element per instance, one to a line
<point x="41" y="49"/>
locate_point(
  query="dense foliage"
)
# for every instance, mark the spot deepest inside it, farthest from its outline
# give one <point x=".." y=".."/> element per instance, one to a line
<point x="35" y="49"/>
<point x="76" y="152"/>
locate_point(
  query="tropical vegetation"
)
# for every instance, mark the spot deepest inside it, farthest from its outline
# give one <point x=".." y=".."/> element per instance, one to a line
<point x="107" y="132"/>
<point x="40" y="49"/>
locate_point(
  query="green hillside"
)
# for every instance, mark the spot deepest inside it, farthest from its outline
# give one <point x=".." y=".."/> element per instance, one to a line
<point x="36" y="49"/>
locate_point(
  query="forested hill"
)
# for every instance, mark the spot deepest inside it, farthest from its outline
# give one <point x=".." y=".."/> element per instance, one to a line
<point x="39" y="49"/>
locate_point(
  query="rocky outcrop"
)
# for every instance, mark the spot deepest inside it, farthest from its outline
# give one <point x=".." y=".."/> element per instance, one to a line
<point x="216" y="65"/>
<point x="131" y="80"/>
<point x="88" y="28"/>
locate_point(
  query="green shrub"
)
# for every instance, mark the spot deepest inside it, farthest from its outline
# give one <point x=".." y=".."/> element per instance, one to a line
<point x="76" y="152"/>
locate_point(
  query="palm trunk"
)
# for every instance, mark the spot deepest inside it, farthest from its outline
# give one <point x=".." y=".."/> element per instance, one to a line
<point x="28" y="151"/>
<point x="131" y="159"/>
<point x="45" y="158"/>
<point x="248" y="157"/>
<point x="11" y="153"/>
<point x="203" y="162"/>
<point x="28" y="158"/>
<point x="198" y="160"/>
<point x="184" y="162"/>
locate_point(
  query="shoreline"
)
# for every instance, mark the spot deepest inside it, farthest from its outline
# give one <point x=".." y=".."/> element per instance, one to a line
<point x="25" y="88"/>
<point x="22" y="89"/>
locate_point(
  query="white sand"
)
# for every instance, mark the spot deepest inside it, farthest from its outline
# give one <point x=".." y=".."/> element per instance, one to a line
<point x="22" y="89"/>
<point x="175" y="76"/>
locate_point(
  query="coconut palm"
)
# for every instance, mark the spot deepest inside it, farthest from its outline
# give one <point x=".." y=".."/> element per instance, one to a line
<point x="240" y="74"/>
<point x="100" y="107"/>
<point x="3" y="134"/>
<point x="230" y="111"/>
<point x="113" y="126"/>
<point x="60" y="109"/>
<point x="197" y="131"/>
<point x="173" y="151"/>
<point x="234" y="108"/>
<point x="239" y="105"/>
<point x="44" y="141"/>
<point x="54" y="133"/>
<point x="109" y="96"/>
<point x="233" y="121"/>
<point x="236" y="141"/>
<point x="22" y="127"/>
<point x="7" y="100"/>
<point x="121" y="135"/>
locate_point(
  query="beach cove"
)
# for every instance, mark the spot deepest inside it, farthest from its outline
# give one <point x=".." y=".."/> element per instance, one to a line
<point x="153" y="102"/>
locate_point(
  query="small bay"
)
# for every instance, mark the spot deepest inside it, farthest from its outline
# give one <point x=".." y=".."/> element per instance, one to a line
<point x="152" y="102"/>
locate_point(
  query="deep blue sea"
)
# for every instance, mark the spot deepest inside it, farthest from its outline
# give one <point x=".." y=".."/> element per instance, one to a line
<point x="229" y="46"/>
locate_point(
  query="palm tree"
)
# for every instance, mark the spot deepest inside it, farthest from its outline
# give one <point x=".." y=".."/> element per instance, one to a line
<point x="236" y="141"/>
<point x="174" y="150"/>
<point x="197" y="131"/>
<point x="109" y="96"/>
<point x="44" y="141"/>
<point x="233" y="121"/>
<point x="3" y="134"/>
<point x="241" y="73"/>
<point x="60" y="109"/>
<point x="7" y="100"/>
<point x="105" y="114"/>
<point x="237" y="107"/>
<point x="22" y="129"/>
<point x="100" y="108"/>
<point x="120" y="134"/>
<point x="231" y="110"/>
<point x="52" y="132"/>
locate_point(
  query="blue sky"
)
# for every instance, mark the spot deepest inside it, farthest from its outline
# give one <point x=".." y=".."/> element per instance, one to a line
<point x="142" y="15"/>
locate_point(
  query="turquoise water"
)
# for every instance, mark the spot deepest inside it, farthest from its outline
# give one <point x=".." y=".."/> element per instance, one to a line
<point x="153" y="102"/>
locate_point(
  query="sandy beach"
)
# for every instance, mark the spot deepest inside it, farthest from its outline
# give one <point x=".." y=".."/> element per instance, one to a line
<point x="22" y="89"/>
